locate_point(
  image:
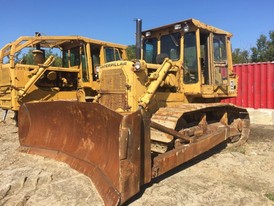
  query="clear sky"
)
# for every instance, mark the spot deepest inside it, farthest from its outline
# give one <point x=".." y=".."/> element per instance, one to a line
<point x="112" y="20"/>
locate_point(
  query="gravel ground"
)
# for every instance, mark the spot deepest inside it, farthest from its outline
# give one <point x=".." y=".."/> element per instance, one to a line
<point x="225" y="176"/>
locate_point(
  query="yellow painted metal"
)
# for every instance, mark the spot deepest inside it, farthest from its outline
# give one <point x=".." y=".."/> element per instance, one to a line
<point x="43" y="80"/>
<point x="170" y="87"/>
<point x="155" y="79"/>
<point x="36" y="76"/>
<point x="154" y="113"/>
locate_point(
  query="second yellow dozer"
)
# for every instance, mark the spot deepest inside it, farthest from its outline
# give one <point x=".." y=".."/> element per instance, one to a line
<point x="150" y="115"/>
<point x="50" y="68"/>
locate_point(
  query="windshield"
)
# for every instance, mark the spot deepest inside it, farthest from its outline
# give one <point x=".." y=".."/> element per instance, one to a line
<point x="170" y="45"/>
<point x="150" y="50"/>
<point x="112" y="54"/>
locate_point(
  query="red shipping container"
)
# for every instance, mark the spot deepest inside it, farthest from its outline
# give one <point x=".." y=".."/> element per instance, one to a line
<point x="255" y="85"/>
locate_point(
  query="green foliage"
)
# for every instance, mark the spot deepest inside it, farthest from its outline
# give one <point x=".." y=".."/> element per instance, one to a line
<point x="28" y="58"/>
<point x="259" y="53"/>
<point x="58" y="60"/>
<point x="238" y="149"/>
<point x="262" y="52"/>
<point x="17" y="57"/>
<point x="240" y="56"/>
<point x="131" y="52"/>
<point x="270" y="196"/>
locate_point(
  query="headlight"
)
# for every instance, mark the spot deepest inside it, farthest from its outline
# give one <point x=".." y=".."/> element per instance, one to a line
<point x="148" y="33"/>
<point x="137" y="66"/>
<point x="186" y="27"/>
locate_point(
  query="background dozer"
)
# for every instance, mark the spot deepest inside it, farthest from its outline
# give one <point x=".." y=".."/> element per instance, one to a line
<point x="45" y="68"/>
<point x="150" y="115"/>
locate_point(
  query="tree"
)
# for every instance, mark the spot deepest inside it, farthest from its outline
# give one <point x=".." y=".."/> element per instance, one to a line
<point x="240" y="56"/>
<point x="264" y="50"/>
<point x="28" y="57"/>
<point x="58" y="60"/>
<point x="131" y="52"/>
<point x="271" y="46"/>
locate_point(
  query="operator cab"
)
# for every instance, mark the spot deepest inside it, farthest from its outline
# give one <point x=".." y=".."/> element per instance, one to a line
<point x="204" y="52"/>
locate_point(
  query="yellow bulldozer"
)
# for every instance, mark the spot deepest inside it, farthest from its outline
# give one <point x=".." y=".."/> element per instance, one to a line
<point x="46" y="68"/>
<point x="151" y="114"/>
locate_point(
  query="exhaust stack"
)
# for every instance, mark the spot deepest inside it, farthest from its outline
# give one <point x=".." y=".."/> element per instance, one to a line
<point x="138" y="38"/>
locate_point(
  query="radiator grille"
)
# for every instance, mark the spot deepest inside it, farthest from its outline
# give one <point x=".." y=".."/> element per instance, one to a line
<point x="113" y="89"/>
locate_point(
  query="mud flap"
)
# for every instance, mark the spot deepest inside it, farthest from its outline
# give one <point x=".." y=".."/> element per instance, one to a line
<point x="94" y="140"/>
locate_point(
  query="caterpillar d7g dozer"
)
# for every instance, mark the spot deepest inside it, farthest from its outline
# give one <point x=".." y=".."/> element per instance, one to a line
<point x="46" y="68"/>
<point x="150" y="115"/>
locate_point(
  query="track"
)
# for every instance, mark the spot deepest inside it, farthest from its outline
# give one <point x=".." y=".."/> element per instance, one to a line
<point x="197" y="120"/>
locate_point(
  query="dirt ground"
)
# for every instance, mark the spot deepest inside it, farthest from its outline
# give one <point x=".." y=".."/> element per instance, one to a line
<point x="225" y="176"/>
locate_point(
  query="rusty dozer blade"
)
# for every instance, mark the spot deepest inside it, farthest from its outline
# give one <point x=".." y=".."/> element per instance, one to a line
<point x="116" y="150"/>
<point x="94" y="140"/>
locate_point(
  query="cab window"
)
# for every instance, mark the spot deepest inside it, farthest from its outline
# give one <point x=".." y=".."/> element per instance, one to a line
<point x="150" y="50"/>
<point x="85" y="74"/>
<point x="170" y="45"/>
<point x="65" y="59"/>
<point x="112" y="54"/>
<point x="117" y="55"/>
<point x="74" y="57"/>
<point x="219" y="48"/>
<point x="71" y="57"/>
<point x="190" y="64"/>
<point x="95" y="57"/>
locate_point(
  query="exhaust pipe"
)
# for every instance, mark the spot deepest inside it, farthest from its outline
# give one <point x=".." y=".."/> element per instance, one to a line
<point x="138" y="38"/>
